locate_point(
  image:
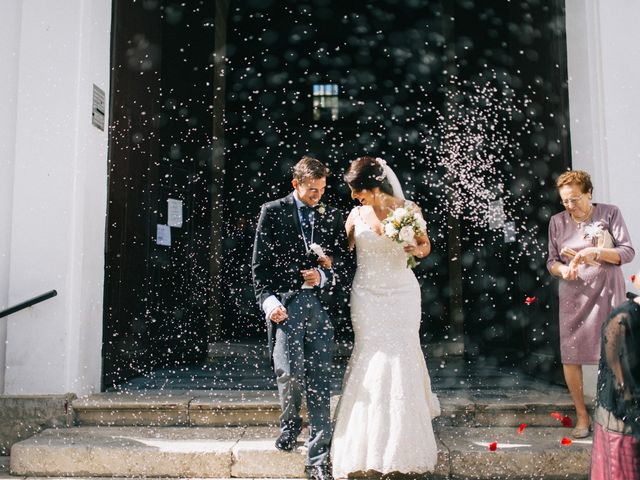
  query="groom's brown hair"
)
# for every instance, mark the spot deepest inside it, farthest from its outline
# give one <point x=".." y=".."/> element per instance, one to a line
<point x="309" y="167"/>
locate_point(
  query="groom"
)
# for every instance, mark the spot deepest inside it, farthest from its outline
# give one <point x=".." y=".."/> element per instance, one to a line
<point x="298" y="263"/>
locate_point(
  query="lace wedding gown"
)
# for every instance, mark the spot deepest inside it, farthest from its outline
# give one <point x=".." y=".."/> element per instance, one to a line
<point x="383" y="421"/>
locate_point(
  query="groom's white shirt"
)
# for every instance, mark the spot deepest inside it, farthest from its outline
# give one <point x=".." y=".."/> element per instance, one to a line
<point x="272" y="302"/>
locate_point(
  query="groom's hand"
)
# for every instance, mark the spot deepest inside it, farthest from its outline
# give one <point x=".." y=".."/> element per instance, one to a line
<point x="311" y="277"/>
<point x="325" y="262"/>
<point x="279" y="315"/>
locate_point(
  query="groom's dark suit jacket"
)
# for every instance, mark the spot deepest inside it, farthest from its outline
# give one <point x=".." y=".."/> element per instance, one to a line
<point x="279" y="255"/>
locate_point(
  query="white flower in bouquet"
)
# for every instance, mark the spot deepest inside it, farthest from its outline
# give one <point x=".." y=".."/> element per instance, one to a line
<point x="390" y="230"/>
<point x="400" y="213"/>
<point x="407" y="234"/>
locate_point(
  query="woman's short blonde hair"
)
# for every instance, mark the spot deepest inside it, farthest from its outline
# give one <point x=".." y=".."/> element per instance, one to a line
<point x="575" y="177"/>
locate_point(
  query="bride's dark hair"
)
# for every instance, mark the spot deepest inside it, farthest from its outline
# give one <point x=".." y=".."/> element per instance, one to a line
<point x="366" y="173"/>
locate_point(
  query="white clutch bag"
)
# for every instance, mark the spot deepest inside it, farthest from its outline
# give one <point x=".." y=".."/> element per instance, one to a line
<point x="605" y="240"/>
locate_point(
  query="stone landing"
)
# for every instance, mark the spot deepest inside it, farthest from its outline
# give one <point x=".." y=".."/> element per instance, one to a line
<point x="248" y="452"/>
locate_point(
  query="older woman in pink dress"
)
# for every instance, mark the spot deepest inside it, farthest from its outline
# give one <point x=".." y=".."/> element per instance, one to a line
<point x="587" y="244"/>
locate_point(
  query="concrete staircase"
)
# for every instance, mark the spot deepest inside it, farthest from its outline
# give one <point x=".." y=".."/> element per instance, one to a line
<point x="227" y="434"/>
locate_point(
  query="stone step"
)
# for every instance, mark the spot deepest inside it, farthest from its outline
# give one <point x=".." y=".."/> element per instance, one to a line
<point x="166" y="408"/>
<point x="248" y="452"/>
<point x="254" y="408"/>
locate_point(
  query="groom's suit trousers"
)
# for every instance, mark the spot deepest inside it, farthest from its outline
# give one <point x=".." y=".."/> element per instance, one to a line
<point x="302" y="360"/>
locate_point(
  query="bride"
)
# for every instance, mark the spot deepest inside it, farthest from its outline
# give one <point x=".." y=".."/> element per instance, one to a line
<point x="383" y="421"/>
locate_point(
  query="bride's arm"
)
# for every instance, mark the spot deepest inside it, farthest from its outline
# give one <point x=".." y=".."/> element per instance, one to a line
<point x="350" y="227"/>
<point x="422" y="249"/>
<point x="423" y="244"/>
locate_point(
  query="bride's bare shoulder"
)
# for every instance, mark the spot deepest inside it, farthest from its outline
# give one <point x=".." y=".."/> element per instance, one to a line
<point x="351" y="218"/>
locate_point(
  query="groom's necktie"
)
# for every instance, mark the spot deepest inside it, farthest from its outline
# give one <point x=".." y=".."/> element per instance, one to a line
<point x="305" y="221"/>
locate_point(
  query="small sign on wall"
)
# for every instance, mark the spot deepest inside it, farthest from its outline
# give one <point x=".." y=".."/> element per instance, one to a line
<point x="98" y="110"/>
<point x="163" y="235"/>
<point x="509" y="230"/>
<point x="174" y="213"/>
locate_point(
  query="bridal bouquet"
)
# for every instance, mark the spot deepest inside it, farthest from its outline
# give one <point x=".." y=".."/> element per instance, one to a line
<point x="403" y="225"/>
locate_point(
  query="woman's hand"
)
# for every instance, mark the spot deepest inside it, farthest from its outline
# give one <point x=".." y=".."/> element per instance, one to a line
<point x="568" y="273"/>
<point x="586" y="255"/>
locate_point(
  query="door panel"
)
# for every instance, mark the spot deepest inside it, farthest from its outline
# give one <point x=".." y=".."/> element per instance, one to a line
<point x="156" y="296"/>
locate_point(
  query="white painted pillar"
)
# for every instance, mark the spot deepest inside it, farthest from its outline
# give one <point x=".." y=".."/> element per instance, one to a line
<point x="59" y="198"/>
<point x="10" y="28"/>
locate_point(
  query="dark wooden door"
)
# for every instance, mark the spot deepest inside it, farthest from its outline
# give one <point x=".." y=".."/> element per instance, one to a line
<point x="156" y="296"/>
<point x="401" y="69"/>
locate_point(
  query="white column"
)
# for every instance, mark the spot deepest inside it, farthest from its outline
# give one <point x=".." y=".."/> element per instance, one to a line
<point x="620" y="38"/>
<point x="59" y="198"/>
<point x="10" y="28"/>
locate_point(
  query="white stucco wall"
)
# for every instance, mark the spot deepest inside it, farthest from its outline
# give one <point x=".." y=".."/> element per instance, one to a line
<point x="9" y="47"/>
<point x="59" y="202"/>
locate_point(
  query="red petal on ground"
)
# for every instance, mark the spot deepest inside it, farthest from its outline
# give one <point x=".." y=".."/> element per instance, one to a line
<point x="522" y="427"/>
<point x="529" y="300"/>
<point x="557" y="416"/>
<point x="493" y="446"/>
<point x="566" y="441"/>
<point x="567" y="422"/>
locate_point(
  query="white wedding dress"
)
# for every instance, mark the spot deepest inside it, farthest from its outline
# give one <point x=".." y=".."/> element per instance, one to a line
<point x="383" y="420"/>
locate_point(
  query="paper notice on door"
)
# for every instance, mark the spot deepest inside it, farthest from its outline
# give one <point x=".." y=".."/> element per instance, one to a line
<point x="496" y="215"/>
<point x="509" y="232"/>
<point x="174" y="214"/>
<point x="163" y="235"/>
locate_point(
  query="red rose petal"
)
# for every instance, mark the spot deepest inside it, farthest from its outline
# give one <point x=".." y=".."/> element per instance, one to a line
<point x="529" y="300"/>
<point x="633" y="279"/>
<point x="566" y="441"/>
<point x="557" y="416"/>
<point x="567" y="422"/>
<point x="493" y="446"/>
<point x="521" y="428"/>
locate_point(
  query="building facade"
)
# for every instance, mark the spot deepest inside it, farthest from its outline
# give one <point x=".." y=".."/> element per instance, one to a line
<point x="58" y="169"/>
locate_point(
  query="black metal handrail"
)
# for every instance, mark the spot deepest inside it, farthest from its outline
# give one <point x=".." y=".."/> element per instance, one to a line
<point x="28" y="303"/>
